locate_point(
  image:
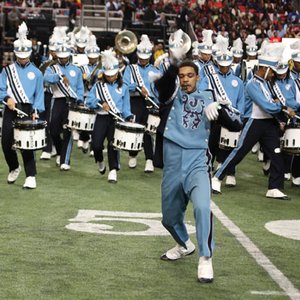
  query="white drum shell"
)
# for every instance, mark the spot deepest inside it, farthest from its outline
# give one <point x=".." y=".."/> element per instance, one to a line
<point x="126" y="140"/>
<point x="228" y="139"/>
<point x="81" y="120"/>
<point x="33" y="139"/>
<point x="291" y="141"/>
<point x="152" y="123"/>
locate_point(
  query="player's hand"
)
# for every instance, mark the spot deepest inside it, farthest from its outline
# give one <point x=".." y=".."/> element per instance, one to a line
<point x="211" y="111"/>
<point x="105" y="106"/>
<point x="66" y="81"/>
<point x="11" y="104"/>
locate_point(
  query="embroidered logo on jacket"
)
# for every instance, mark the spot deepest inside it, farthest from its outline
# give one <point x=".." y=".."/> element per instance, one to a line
<point x="192" y="111"/>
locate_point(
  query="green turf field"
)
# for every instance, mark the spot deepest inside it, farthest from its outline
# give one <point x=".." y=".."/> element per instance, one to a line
<point x="41" y="259"/>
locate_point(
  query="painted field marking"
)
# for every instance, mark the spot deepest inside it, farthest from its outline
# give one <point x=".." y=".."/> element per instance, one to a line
<point x="287" y="228"/>
<point x="283" y="282"/>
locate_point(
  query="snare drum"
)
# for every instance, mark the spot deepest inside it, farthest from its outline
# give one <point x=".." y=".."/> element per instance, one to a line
<point x="152" y="121"/>
<point x="81" y="118"/>
<point x="291" y="139"/>
<point x="228" y="139"/>
<point x="128" y="136"/>
<point x="29" y="135"/>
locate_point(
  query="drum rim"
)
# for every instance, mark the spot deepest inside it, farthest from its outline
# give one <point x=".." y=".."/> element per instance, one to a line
<point x="135" y="127"/>
<point x="81" y="109"/>
<point x="37" y="124"/>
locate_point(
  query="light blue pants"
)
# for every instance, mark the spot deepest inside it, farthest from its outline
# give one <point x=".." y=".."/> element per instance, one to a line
<point x="186" y="175"/>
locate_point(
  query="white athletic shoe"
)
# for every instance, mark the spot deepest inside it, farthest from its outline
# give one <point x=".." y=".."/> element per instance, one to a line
<point x="287" y="176"/>
<point x="216" y="185"/>
<point x="149" y="166"/>
<point x="132" y="162"/>
<point x="276" y="194"/>
<point x="65" y="167"/>
<point x="53" y="152"/>
<point x="260" y="156"/>
<point x="13" y="175"/>
<point x="45" y="155"/>
<point x="230" y="181"/>
<point x="75" y="135"/>
<point x="79" y="144"/>
<point x="102" y="167"/>
<point x="179" y="251"/>
<point x="91" y="153"/>
<point x="296" y="181"/>
<point x="57" y="161"/>
<point x="255" y="148"/>
<point x="112" y="176"/>
<point x="85" y="146"/>
<point x="30" y="183"/>
<point x="205" y="270"/>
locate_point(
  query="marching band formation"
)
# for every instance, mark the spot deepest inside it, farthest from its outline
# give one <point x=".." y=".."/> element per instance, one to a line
<point x="183" y="113"/>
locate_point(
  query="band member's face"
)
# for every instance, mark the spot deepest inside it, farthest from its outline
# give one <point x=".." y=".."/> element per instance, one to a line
<point x="281" y="76"/>
<point x="112" y="78"/>
<point x="188" y="79"/>
<point x="251" y="57"/>
<point x="237" y="60"/>
<point x="63" y="60"/>
<point x="296" y="66"/>
<point x="93" y="60"/>
<point x="224" y="70"/>
<point x="80" y="50"/>
<point x="22" y="61"/>
<point x="205" y="57"/>
<point x="53" y="54"/>
<point x="144" y="62"/>
<point x="269" y="75"/>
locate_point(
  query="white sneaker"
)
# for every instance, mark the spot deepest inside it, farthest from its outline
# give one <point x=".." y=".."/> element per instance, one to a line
<point x="149" y="166"/>
<point x="260" y="156"/>
<point x="75" y="135"/>
<point x="79" y="144"/>
<point x="85" y="146"/>
<point x="205" y="270"/>
<point x="230" y="181"/>
<point x="287" y="176"/>
<point x="57" y="160"/>
<point x="91" y="153"/>
<point x="255" y="148"/>
<point x="112" y="176"/>
<point x="102" y="167"/>
<point x="30" y="183"/>
<point x="53" y="152"/>
<point x="276" y="194"/>
<point x="65" y="167"/>
<point x="296" y="181"/>
<point x="216" y="185"/>
<point x="13" y="175"/>
<point x="179" y="251"/>
<point x="132" y="162"/>
<point x="45" y="155"/>
<point x="219" y="165"/>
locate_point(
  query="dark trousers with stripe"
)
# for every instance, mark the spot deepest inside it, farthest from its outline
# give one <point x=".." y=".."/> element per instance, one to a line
<point x="61" y="135"/>
<point x="139" y="109"/>
<point x="104" y="128"/>
<point x="45" y="115"/>
<point x="266" y="132"/>
<point x="7" y="142"/>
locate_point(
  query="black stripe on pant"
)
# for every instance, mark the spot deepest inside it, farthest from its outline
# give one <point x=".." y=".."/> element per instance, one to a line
<point x="266" y="132"/>
<point x="7" y="142"/>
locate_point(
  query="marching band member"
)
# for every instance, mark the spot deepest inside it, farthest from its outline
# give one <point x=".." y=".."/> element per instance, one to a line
<point x="237" y="52"/>
<point x="53" y="41"/>
<point x="229" y="88"/>
<point x="21" y="87"/>
<point x="250" y="63"/>
<point x="136" y="76"/>
<point x="67" y="85"/>
<point x="113" y="96"/>
<point x="186" y="158"/>
<point x="90" y="73"/>
<point x="260" y="127"/>
<point x="205" y="52"/>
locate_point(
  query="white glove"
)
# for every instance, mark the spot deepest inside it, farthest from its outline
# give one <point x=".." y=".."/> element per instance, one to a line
<point x="223" y="101"/>
<point x="211" y="111"/>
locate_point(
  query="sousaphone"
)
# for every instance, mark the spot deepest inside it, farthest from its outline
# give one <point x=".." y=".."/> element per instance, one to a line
<point x="126" y="42"/>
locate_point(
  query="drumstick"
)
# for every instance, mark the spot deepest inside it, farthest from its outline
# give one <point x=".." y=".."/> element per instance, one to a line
<point x="147" y="98"/>
<point x="20" y="112"/>
<point x="295" y="116"/>
<point x="113" y="114"/>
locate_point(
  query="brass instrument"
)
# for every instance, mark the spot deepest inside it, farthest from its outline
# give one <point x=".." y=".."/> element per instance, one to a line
<point x="92" y="78"/>
<point x="126" y="42"/>
<point x="47" y="64"/>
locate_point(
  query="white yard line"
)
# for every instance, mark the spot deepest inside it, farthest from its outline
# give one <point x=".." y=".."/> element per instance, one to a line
<point x="283" y="282"/>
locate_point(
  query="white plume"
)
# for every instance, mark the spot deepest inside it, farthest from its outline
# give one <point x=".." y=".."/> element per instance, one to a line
<point x="176" y="39"/>
<point x="207" y="37"/>
<point x="22" y="32"/>
<point x="145" y="43"/>
<point x="286" y="55"/>
<point x="109" y="59"/>
<point x="296" y="45"/>
<point x="154" y="76"/>
<point x="222" y="44"/>
<point x="237" y="44"/>
<point x="251" y="40"/>
<point x="92" y="42"/>
<point x="195" y="44"/>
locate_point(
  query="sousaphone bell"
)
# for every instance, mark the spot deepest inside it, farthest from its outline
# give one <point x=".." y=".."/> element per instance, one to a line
<point x="126" y="41"/>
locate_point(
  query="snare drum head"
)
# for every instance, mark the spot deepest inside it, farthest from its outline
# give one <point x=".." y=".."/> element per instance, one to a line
<point x="130" y="127"/>
<point x="82" y="109"/>
<point x="29" y="124"/>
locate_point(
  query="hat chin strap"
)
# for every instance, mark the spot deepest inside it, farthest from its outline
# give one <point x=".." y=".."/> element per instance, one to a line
<point x="266" y="74"/>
